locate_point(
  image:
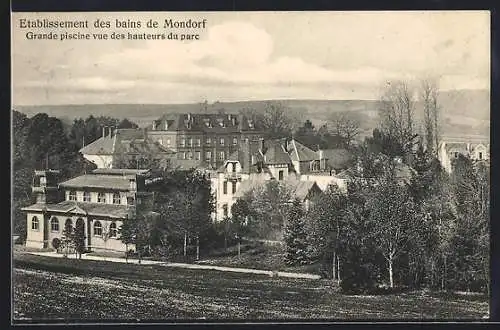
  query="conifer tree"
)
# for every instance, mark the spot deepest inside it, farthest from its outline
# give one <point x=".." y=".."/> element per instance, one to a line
<point x="295" y="236"/>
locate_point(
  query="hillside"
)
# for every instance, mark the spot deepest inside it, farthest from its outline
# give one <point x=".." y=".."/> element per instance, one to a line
<point x="465" y="112"/>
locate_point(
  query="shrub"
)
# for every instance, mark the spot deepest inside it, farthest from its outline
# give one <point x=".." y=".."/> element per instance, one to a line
<point x="56" y="243"/>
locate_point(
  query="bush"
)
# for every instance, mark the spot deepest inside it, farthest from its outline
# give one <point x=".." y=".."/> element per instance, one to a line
<point x="56" y="243"/>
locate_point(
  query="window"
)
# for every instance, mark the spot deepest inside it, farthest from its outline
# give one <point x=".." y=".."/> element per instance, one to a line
<point x="97" y="228"/>
<point x="234" y="187"/>
<point x="190" y="142"/>
<point x="221" y="155"/>
<point x="456" y="154"/>
<point x="130" y="201"/>
<point x="43" y="181"/>
<point x="86" y="196"/>
<point x="198" y="142"/>
<point x="116" y="198"/>
<point x="72" y="195"/>
<point x="132" y="185"/>
<point x="101" y="198"/>
<point x="160" y="141"/>
<point x="197" y="155"/>
<point x="224" y="187"/>
<point x="208" y="141"/>
<point x="54" y="225"/>
<point x="208" y="155"/>
<point x="168" y="141"/>
<point x="234" y="167"/>
<point x="112" y="230"/>
<point x="224" y="210"/>
<point x="189" y="155"/>
<point x="221" y="141"/>
<point x="182" y="155"/>
<point x="34" y="223"/>
<point x="280" y="175"/>
<point x="480" y="155"/>
<point x="183" y="142"/>
<point x="235" y="141"/>
<point x="68" y="223"/>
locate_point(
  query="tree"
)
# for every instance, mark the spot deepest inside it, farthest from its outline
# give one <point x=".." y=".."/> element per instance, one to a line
<point x="278" y="121"/>
<point x="396" y="113"/>
<point x="78" y="237"/>
<point x="125" y="123"/>
<point x="346" y="125"/>
<point x="295" y="236"/>
<point x="392" y="214"/>
<point x="428" y="94"/>
<point x="67" y="238"/>
<point x="240" y="212"/>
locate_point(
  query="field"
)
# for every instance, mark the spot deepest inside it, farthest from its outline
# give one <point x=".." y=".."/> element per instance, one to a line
<point x="47" y="288"/>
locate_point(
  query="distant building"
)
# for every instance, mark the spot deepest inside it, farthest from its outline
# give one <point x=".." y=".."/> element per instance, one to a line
<point x="100" y="200"/>
<point x="451" y="150"/>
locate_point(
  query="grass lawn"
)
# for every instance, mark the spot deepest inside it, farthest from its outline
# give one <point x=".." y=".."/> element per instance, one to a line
<point x="55" y="288"/>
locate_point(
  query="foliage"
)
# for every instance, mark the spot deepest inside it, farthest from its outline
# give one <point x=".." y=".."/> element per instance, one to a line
<point x="295" y="236"/>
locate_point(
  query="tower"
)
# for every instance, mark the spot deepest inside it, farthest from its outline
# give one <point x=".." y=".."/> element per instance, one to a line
<point x="44" y="186"/>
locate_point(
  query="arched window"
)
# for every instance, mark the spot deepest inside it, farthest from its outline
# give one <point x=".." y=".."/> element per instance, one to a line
<point x="54" y="225"/>
<point x="101" y="198"/>
<point x="116" y="198"/>
<point x="86" y="196"/>
<point x="68" y="226"/>
<point x="112" y="230"/>
<point x="97" y="228"/>
<point x="34" y="223"/>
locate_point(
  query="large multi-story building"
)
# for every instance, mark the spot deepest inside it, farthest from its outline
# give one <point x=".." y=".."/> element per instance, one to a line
<point x="97" y="203"/>
<point x="203" y="140"/>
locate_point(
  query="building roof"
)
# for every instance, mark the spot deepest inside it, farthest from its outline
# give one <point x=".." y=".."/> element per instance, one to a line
<point x="303" y="189"/>
<point x="93" y="209"/>
<point x="204" y="122"/>
<point x="130" y="141"/>
<point x="338" y="159"/>
<point x="112" y="182"/>
<point x="299" y="152"/>
<point x="275" y="154"/>
<point x="120" y="171"/>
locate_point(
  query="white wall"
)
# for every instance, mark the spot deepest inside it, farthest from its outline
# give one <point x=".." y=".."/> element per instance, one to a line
<point x="101" y="161"/>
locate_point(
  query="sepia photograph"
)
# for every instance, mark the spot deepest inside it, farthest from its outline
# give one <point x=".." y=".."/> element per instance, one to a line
<point x="250" y="166"/>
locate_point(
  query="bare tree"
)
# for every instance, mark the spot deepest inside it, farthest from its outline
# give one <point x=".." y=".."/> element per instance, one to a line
<point x="346" y="125"/>
<point x="428" y="94"/>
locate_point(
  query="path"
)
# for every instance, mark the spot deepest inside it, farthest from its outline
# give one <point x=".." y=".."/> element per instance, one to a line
<point x="183" y="265"/>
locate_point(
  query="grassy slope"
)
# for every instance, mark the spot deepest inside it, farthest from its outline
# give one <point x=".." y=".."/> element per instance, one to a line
<point x="49" y="288"/>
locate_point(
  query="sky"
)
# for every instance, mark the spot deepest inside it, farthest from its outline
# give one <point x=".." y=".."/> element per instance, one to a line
<point x="251" y="56"/>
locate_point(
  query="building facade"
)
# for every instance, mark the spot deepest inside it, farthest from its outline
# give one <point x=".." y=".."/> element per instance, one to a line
<point x="258" y="161"/>
<point x="451" y="150"/>
<point x="97" y="203"/>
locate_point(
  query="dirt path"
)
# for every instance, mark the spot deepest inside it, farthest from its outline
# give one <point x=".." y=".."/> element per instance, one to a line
<point x="183" y="265"/>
